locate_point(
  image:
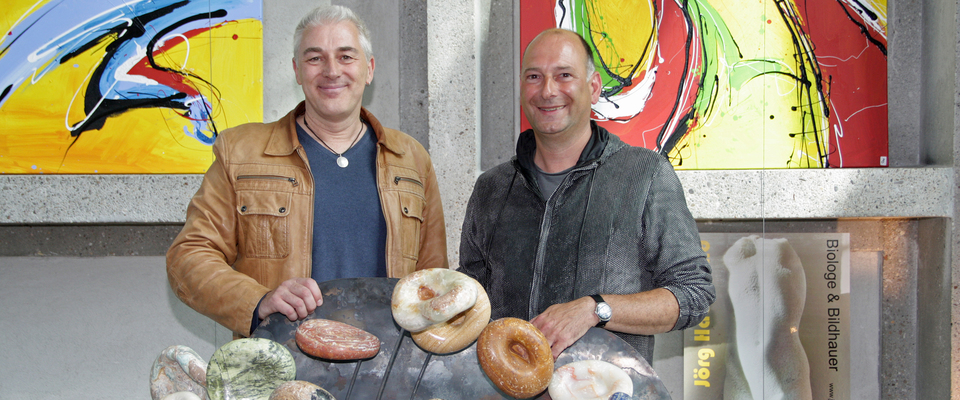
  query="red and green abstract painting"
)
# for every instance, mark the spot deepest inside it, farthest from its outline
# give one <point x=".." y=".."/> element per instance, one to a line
<point x="729" y="84"/>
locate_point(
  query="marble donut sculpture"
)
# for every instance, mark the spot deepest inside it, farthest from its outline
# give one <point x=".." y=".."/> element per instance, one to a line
<point x="444" y="310"/>
<point x="516" y="357"/>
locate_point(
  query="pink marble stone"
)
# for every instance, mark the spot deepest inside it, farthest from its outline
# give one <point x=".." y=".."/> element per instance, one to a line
<point x="178" y="369"/>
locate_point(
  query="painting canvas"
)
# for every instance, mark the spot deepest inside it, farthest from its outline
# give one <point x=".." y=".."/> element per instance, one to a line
<point x="89" y="86"/>
<point x="720" y="84"/>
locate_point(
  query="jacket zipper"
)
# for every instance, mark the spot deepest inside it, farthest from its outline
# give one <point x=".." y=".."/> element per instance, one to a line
<point x="388" y="247"/>
<point x="542" y="244"/>
<point x="397" y="179"/>
<point x="293" y="181"/>
<point x="538" y="263"/>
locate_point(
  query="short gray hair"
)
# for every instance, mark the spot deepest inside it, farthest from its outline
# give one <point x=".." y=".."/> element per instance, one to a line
<point x="324" y="15"/>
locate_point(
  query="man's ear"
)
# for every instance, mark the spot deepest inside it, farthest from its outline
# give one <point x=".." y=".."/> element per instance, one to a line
<point x="370" y="66"/>
<point x="296" y="71"/>
<point x="595" y="87"/>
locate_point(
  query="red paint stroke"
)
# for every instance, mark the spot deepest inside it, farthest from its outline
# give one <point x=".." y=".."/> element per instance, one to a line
<point x="855" y="78"/>
<point x="668" y="102"/>
<point x="179" y="82"/>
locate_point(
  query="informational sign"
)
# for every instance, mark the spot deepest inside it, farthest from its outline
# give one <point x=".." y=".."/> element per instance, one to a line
<point x="781" y="320"/>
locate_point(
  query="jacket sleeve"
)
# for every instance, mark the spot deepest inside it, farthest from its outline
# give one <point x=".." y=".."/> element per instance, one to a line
<point x="433" y="231"/>
<point x="200" y="258"/>
<point x="680" y="265"/>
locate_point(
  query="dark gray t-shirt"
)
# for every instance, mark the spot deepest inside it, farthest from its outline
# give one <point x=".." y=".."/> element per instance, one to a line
<point x="550" y="182"/>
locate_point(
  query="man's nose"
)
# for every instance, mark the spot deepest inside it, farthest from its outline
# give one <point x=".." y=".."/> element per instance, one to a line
<point x="550" y="88"/>
<point x="331" y="68"/>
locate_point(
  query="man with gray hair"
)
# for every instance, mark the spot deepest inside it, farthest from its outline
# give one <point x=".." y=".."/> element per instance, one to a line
<point x="324" y="193"/>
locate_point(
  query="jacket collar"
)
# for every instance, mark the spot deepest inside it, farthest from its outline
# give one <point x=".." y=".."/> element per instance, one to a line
<point x="600" y="146"/>
<point x="283" y="138"/>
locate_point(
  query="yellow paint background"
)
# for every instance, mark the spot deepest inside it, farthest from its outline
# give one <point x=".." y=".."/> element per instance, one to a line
<point x="632" y="31"/>
<point x="33" y="133"/>
<point x="739" y="131"/>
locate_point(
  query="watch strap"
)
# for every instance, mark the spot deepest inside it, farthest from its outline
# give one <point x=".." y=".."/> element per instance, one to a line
<point x="597" y="298"/>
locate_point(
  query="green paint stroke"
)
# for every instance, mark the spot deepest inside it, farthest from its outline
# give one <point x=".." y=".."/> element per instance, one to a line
<point x="614" y="73"/>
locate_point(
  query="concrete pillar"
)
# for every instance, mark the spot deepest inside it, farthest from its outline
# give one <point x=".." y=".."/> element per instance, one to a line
<point x="454" y="105"/>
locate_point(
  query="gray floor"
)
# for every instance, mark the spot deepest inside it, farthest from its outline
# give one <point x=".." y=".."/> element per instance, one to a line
<point x="91" y="328"/>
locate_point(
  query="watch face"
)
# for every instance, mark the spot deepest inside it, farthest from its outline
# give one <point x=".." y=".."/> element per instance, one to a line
<point x="604" y="311"/>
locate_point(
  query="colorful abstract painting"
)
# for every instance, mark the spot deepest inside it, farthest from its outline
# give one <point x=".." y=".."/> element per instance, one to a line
<point x="722" y="84"/>
<point x="92" y="86"/>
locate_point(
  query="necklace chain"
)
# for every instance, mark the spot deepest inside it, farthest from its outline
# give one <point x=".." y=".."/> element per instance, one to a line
<point x="307" y="124"/>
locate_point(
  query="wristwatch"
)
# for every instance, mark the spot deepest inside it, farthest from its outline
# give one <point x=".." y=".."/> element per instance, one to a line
<point x="603" y="310"/>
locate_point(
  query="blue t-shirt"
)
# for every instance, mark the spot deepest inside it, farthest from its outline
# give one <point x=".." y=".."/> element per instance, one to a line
<point x="349" y="231"/>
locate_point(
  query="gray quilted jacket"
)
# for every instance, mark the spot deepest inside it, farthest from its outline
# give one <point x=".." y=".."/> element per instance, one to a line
<point x="618" y="224"/>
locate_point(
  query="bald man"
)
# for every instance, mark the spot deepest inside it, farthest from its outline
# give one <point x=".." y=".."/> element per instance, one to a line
<point x="580" y="229"/>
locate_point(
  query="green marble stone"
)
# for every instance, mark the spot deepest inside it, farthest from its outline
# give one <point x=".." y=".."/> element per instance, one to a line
<point x="249" y="369"/>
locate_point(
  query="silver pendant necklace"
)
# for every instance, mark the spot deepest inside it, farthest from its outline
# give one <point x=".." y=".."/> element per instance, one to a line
<point x="342" y="161"/>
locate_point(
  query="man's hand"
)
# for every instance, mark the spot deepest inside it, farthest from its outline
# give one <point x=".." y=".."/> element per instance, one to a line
<point x="563" y="324"/>
<point x="296" y="298"/>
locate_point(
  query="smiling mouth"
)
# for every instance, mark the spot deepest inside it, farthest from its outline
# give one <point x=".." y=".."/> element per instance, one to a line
<point x="550" y="109"/>
<point x="332" y="90"/>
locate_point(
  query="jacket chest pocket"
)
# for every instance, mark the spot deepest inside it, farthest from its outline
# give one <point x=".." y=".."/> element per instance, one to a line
<point x="263" y="223"/>
<point x="412" y="200"/>
<point x="411" y="209"/>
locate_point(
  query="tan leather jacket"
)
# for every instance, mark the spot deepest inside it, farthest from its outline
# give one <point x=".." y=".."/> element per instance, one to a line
<point x="249" y="226"/>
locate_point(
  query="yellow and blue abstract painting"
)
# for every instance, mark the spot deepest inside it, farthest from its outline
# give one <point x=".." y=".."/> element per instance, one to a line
<point x="93" y="86"/>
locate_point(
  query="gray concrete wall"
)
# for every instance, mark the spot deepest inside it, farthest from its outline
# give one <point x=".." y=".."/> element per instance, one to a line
<point x="444" y="77"/>
<point x="933" y="298"/>
<point x="904" y="32"/>
<point x="413" y="82"/>
<point x="91" y="327"/>
<point x="954" y="238"/>
<point x="454" y="30"/>
<point x="938" y="63"/>
<point x="399" y="45"/>
<point x="499" y="87"/>
<point x="280" y="90"/>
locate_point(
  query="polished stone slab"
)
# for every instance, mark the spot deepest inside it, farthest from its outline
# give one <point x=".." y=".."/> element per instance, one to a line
<point x="710" y="194"/>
